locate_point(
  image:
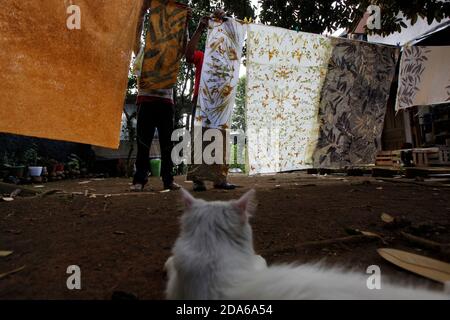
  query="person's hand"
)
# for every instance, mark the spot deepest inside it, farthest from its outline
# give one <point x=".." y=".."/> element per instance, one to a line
<point x="219" y="14"/>
<point x="203" y="24"/>
<point x="189" y="13"/>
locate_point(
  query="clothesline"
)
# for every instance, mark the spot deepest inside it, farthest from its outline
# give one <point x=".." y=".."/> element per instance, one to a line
<point x="249" y="20"/>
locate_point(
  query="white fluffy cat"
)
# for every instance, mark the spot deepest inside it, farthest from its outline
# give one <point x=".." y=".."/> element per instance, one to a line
<point x="213" y="258"/>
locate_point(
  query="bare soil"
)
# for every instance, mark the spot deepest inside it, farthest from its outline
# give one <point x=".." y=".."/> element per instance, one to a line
<point x="121" y="241"/>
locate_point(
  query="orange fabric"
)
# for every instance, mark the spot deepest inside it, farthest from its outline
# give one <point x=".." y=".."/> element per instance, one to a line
<point x="65" y="84"/>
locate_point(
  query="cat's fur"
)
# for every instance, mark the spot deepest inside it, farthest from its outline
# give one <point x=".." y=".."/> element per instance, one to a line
<point x="213" y="258"/>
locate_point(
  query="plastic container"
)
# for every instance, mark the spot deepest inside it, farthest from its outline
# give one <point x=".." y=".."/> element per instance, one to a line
<point x="155" y="167"/>
<point x="35" y="171"/>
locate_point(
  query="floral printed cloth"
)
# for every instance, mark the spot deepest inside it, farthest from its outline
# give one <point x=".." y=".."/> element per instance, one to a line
<point x="424" y="77"/>
<point x="285" y="72"/>
<point x="220" y="74"/>
<point x="353" y="103"/>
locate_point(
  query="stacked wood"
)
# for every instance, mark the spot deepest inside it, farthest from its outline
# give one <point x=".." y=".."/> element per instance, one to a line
<point x="389" y="158"/>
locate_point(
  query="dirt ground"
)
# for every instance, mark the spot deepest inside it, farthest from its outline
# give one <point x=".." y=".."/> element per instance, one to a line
<point x="121" y="241"/>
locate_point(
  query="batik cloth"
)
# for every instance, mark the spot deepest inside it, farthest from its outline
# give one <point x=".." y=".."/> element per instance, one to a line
<point x="164" y="45"/>
<point x="424" y="77"/>
<point x="353" y="103"/>
<point x="220" y="73"/>
<point x="60" y="82"/>
<point x="285" y="72"/>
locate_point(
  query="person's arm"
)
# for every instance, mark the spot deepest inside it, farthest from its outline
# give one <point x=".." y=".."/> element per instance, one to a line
<point x="186" y="38"/>
<point x="137" y="42"/>
<point x="193" y="42"/>
<point x="202" y="25"/>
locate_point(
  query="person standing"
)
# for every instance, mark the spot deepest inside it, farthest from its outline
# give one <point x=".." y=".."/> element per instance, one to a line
<point x="155" y="111"/>
<point x="199" y="173"/>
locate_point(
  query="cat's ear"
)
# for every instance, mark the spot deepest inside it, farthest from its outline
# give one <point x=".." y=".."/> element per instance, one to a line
<point x="188" y="199"/>
<point x="247" y="204"/>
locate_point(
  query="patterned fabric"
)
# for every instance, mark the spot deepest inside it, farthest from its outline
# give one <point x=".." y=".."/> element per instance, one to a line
<point x="285" y="72"/>
<point x="353" y="103"/>
<point x="424" y="77"/>
<point x="164" y="45"/>
<point x="65" y="84"/>
<point x="220" y="74"/>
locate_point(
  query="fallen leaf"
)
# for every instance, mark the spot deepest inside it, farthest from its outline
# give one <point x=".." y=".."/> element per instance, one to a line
<point x="50" y="192"/>
<point x="7" y="199"/>
<point x="5" y="253"/>
<point x="387" y="218"/>
<point x="351" y="231"/>
<point x="429" y="268"/>
<point x="2" y="275"/>
<point x="370" y="234"/>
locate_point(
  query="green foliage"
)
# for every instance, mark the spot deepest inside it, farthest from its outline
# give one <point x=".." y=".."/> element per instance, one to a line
<point x="238" y="119"/>
<point x="9" y="159"/>
<point x="75" y="163"/>
<point x="30" y="156"/>
<point x="234" y="157"/>
<point x="329" y="15"/>
<point x="132" y="85"/>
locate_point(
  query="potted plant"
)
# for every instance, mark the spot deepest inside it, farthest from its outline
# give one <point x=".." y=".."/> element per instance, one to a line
<point x="32" y="159"/>
<point x="73" y="165"/>
<point x="4" y="165"/>
<point x="11" y="167"/>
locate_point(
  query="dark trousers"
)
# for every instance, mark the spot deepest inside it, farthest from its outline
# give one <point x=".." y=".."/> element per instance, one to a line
<point x="156" y="114"/>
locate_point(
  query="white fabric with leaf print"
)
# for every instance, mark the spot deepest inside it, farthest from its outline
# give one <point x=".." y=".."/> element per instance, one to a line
<point x="220" y="74"/>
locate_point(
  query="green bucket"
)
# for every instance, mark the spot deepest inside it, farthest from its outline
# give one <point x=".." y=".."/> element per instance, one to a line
<point x="155" y="167"/>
